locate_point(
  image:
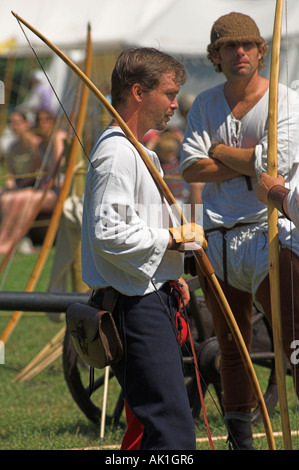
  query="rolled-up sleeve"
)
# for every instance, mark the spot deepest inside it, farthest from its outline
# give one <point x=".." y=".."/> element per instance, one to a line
<point x="293" y="205"/>
<point x="287" y="137"/>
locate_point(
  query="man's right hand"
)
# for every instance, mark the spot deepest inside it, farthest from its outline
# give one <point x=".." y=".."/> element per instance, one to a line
<point x="187" y="237"/>
<point x="264" y="185"/>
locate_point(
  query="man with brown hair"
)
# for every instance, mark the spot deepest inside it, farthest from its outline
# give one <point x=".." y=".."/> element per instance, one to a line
<point x="129" y="244"/>
<point x="225" y="147"/>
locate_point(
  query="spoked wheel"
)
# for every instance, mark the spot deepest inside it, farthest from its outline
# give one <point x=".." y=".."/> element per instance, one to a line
<point x="76" y="374"/>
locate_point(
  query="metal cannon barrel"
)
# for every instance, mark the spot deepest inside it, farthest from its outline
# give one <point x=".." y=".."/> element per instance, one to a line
<point x="40" y="301"/>
<point x="52" y="301"/>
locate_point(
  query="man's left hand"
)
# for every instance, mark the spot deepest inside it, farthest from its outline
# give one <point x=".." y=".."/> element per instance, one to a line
<point x="184" y="290"/>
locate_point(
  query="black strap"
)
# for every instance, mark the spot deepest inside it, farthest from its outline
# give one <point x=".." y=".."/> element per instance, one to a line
<point x="248" y="182"/>
<point x="91" y="381"/>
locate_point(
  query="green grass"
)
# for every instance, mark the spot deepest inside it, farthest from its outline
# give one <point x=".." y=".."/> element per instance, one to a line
<point x="41" y="414"/>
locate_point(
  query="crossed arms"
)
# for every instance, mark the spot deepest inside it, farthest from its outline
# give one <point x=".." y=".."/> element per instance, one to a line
<point x="224" y="163"/>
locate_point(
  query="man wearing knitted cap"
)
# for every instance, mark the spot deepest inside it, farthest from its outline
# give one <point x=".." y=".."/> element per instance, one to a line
<point x="225" y="147"/>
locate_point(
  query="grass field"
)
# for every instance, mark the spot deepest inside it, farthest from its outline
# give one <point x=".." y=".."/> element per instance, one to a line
<point x="41" y="414"/>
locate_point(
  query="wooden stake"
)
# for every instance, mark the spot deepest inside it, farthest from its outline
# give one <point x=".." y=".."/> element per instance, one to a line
<point x="43" y="355"/>
<point x="49" y="359"/>
<point x="104" y="406"/>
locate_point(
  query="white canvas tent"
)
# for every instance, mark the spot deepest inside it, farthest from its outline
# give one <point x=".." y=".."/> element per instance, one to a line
<point x="181" y="27"/>
<point x="178" y="26"/>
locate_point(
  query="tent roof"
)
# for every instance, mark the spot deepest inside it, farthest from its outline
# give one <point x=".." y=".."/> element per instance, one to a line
<point x="177" y="26"/>
<point x="65" y="22"/>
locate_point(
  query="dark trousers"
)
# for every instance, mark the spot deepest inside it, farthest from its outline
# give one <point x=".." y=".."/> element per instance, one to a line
<point x="151" y="373"/>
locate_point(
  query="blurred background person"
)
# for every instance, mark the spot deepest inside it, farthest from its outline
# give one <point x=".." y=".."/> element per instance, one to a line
<point x="52" y="142"/>
<point x="167" y="149"/>
<point x="185" y="102"/>
<point x="40" y="95"/>
<point x="23" y="156"/>
<point x="44" y="147"/>
<point x="22" y="161"/>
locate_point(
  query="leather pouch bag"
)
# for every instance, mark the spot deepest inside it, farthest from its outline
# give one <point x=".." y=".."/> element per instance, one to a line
<point x="94" y="333"/>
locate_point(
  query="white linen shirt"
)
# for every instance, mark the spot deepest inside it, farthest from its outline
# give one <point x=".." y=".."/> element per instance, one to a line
<point x="210" y="120"/>
<point x="293" y="205"/>
<point x="125" y="221"/>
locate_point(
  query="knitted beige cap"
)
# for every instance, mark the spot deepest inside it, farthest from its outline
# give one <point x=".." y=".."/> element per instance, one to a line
<point x="234" y="27"/>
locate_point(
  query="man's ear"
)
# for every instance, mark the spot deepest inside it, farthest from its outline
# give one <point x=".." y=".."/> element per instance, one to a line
<point x="215" y="57"/>
<point x="137" y="91"/>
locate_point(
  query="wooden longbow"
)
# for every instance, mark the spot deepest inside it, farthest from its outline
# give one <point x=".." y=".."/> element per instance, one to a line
<point x="54" y="222"/>
<point x="273" y="236"/>
<point x="202" y="260"/>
